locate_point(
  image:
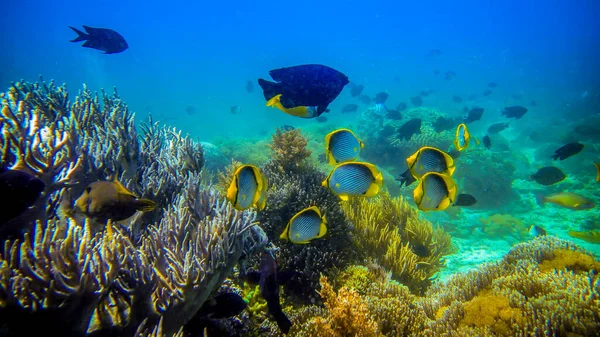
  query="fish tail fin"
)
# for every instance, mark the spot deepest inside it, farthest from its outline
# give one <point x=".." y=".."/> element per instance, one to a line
<point x="270" y="89"/>
<point x="540" y="199"/>
<point x="145" y="205"/>
<point x="282" y="321"/>
<point x="81" y="36"/>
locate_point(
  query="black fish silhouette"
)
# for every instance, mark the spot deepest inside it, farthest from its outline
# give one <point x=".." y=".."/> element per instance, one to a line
<point x="107" y="40"/>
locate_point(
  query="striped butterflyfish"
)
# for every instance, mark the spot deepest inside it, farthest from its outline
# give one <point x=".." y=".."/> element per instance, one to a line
<point x="306" y="225"/>
<point x="429" y="159"/>
<point x="246" y="188"/>
<point x="341" y="146"/>
<point x="354" y="179"/>
<point x="435" y="192"/>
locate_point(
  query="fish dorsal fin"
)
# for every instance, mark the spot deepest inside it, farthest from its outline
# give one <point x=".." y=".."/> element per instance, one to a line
<point x="122" y="190"/>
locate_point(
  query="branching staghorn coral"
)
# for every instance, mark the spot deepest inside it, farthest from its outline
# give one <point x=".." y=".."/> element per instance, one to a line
<point x="102" y="283"/>
<point x="70" y="145"/>
<point x="390" y="231"/>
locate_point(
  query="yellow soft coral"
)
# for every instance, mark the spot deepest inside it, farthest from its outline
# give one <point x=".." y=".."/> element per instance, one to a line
<point x="571" y="260"/>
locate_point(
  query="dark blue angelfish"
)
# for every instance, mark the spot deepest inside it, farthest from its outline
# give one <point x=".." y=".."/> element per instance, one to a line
<point x="309" y="85"/>
<point x="107" y="40"/>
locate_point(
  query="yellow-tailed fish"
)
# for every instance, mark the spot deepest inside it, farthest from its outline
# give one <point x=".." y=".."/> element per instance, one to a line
<point x="104" y="200"/>
<point x="341" y="146"/>
<point x="246" y="188"/>
<point x="262" y="200"/>
<point x="597" y="172"/>
<point x="589" y="236"/>
<point x="568" y="200"/>
<point x="306" y="225"/>
<point x="462" y="138"/>
<point x="354" y="179"/>
<point x="429" y="159"/>
<point x="299" y="111"/>
<point x="435" y="192"/>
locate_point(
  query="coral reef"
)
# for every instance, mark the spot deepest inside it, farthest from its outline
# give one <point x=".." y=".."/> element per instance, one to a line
<point x="288" y="150"/>
<point x="516" y="296"/>
<point x="70" y="145"/>
<point x="104" y="283"/>
<point x="391" y="232"/>
<point x="499" y="226"/>
<point x="144" y="276"/>
<point x="289" y="193"/>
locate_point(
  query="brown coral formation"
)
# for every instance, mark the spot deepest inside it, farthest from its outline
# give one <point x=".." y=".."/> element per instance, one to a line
<point x="390" y="231"/>
<point x="288" y="149"/>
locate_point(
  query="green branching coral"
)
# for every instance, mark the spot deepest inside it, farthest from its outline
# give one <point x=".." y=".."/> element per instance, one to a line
<point x="390" y="231"/>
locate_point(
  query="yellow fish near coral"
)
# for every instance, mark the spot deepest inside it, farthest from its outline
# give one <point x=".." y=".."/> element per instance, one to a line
<point x="568" y="200"/>
<point x="429" y="159"/>
<point x="435" y="192"/>
<point x="248" y="188"/>
<point x="354" y="179"/>
<point x="589" y="236"/>
<point x="341" y="146"/>
<point x="306" y="225"/>
<point x="462" y="138"/>
<point x="104" y="200"/>
<point x="299" y="111"/>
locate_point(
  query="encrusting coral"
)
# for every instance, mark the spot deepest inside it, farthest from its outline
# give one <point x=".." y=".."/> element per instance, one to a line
<point x="390" y="231"/>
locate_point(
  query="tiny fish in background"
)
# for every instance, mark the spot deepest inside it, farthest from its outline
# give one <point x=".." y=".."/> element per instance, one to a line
<point x="567" y="151"/>
<point x="487" y="93"/>
<point x="487" y="142"/>
<point x="492" y="84"/>
<point x="515" y="112"/>
<point x="465" y="200"/>
<point x="349" y="108"/>
<point x="321" y="119"/>
<point x="457" y="99"/>
<point x="190" y="110"/>
<point x="498" y="127"/>
<point x="249" y="87"/>
<point x="416" y="101"/>
<point x="401" y="106"/>
<point x="548" y="175"/>
<point x="236" y="109"/>
<point x="568" y="200"/>
<point x="536" y="231"/>
<point x="357" y="90"/>
<point x="104" y="39"/>
<point x="588" y="236"/>
<point x="381" y="97"/>
<point x="410" y="128"/>
<point x="474" y="115"/>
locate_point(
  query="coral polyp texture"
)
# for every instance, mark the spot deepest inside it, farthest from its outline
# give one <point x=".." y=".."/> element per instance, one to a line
<point x="516" y="296"/>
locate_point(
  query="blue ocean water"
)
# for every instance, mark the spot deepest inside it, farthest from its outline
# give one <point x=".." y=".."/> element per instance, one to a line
<point x="201" y="54"/>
